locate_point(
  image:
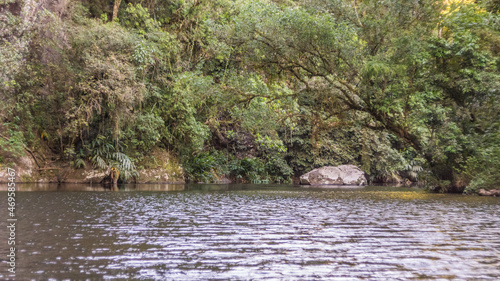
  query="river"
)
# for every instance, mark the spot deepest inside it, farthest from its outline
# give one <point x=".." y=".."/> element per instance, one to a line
<point x="250" y="232"/>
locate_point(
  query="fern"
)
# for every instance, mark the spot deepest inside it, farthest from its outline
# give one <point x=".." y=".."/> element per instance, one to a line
<point x="99" y="162"/>
<point x="123" y="162"/>
<point x="79" y="163"/>
<point x="105" y="157"/>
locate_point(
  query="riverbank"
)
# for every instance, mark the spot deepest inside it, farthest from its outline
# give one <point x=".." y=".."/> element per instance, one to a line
<point x="159" y="167"/>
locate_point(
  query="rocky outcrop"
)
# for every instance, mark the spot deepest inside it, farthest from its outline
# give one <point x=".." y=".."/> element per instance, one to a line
<point x="492" y="192"/>
<point x="160" y="175"/>
<point x="340" y="175"/>
<point x="87" y="175"/>
<point x="161" y="167"/>
<point x="25" y="169"/>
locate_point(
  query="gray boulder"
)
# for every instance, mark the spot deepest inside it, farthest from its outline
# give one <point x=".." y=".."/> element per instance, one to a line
<point x="492" y="192"/>
<point x="340" y="175"/>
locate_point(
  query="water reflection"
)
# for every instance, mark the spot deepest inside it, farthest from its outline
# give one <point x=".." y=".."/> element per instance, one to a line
<point x="228" y="232"/>
<point x="146" y="187"/>
<point x="95" y="187"/>
<point x="152" y="187"/>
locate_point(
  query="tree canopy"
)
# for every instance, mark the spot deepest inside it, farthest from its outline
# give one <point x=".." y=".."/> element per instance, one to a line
<point x="257" y="90"/>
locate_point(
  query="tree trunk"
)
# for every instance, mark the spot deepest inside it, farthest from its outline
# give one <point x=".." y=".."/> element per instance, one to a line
<point x="115" y="9"/>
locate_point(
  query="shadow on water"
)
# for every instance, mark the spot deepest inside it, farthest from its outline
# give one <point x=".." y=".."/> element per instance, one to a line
<point x="144" y="187"/>
<point x="189" y="187"/>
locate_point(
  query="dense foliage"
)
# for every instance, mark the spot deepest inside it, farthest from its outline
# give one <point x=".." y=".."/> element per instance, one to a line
<point x="257" y="90"/>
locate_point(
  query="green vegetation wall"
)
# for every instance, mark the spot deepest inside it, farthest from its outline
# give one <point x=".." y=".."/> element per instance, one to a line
<point x="256" y="91"/>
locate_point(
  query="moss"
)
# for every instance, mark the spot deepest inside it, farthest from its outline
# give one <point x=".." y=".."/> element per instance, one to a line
<point x="157" y="164"/>
<point x="173" y="168"/>
<point x="26" y="178"/>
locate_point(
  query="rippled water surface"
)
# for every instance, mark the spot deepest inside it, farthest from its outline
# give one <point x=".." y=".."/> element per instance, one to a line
<point x="204" y="232"/>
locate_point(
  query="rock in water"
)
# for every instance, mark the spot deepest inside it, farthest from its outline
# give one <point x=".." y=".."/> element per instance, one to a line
<point x="344" y="174"/>
<point x="492" y="192"/>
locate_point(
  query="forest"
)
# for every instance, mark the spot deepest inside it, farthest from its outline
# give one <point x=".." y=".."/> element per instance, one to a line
<point x="256" y="90"/>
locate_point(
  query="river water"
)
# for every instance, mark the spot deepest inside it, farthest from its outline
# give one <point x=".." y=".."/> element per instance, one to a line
<point x="250" y="232"/>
